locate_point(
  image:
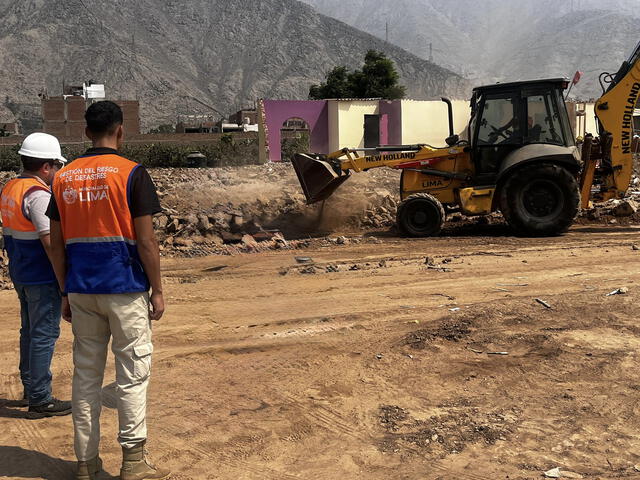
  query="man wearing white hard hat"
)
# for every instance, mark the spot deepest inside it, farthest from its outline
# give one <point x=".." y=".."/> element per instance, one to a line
<point x="23" y="204"/>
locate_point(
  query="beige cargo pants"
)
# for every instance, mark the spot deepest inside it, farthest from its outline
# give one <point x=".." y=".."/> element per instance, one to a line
<point x="95" y="320"/>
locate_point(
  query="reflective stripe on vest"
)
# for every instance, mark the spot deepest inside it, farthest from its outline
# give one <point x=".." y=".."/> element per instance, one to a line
<point x="92" y="195"/>
<point x="28" y="261"/>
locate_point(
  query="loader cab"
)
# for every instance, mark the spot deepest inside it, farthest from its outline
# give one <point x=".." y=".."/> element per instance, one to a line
<point x="505" y="117"/>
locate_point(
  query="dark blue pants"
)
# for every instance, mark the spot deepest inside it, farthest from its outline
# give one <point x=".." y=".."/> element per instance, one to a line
<point x="40" y="328"/>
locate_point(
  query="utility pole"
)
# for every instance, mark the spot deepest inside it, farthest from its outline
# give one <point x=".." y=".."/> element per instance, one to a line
<point x="431" y="52"/>
<point x="387" y="32"/>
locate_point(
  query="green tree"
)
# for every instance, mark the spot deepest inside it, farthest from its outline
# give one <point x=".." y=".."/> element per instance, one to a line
<point x="337" y="85"/>
<point x="377" y="79"/>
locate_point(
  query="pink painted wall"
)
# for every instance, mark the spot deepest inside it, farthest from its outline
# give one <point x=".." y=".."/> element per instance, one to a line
<point x="314" y="112"/>
<point x="392" y="134"/>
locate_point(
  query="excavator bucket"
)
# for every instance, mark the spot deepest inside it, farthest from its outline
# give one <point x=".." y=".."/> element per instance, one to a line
<point x="318" y="178"/>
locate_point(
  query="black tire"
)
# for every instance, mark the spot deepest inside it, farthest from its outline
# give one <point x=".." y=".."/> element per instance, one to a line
<point x="540" y="200"/>
<point x="420" y="215"/>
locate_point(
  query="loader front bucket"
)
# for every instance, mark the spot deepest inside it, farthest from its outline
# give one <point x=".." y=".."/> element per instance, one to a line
<point x="318" y="178"/>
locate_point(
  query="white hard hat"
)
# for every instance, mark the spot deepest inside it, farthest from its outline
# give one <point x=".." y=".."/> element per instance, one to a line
<point x="42" y="145"/>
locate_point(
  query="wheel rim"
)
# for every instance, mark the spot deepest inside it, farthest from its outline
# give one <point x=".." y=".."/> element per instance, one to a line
<point x="542" y="199"/>
<point x="422" y="217"/>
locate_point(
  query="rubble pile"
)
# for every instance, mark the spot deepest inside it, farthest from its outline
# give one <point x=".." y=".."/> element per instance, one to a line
<point x="256" y="208"/>
<point x="622" y="211"/>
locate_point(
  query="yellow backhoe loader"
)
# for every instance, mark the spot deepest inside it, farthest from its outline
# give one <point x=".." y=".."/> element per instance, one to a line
<point x="521" y="158"/>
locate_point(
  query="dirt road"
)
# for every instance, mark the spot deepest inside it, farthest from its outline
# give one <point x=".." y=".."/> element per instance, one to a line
<point x="375" y="362"/>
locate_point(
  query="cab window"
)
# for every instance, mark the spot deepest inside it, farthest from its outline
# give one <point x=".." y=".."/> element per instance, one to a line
<point x="544" y="123"/>
<point x="499" y="123"/>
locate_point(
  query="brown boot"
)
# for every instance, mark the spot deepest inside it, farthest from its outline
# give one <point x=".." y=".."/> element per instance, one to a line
<point x="87" y="470"/>
<point x="137" y="466"/>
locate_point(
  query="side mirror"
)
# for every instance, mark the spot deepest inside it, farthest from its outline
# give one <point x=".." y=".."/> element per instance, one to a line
<point x="452" y="140"/>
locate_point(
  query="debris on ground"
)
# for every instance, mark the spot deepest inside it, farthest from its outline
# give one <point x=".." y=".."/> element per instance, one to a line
<point x="553" y="473"/>
<point x="304" y="259"/>
<point x="449" y="432"/>
<point x="618" y="291"/>
<point x="452" y="330"/>
<point x="543" y="303"/>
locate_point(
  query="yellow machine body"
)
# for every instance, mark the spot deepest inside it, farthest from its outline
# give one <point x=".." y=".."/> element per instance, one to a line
<point x="452" y="169"/>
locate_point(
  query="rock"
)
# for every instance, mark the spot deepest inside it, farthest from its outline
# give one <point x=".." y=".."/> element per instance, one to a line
<point x="214" y="238"/>
<point x="593" y="214"/>
<point x="263" y="236"/>
<point x="220" y="220"/>
<point x="231" y="238"/>
<point x="553" y="473"/>
<point x="635" y="247"/>
<point x="341" y="240"/>
<point x="626" y="208"/>
<point x="173" y="226"/>
<point x="161" y="221"/>
<point x="236" y="222"/>
<point x="249" y="241"/>
<point x="190" y="220"/>
<point x="280" y="241"/>
<point x="251" y="227"/>
<point x="203" y="223"/>
<point x="183" y="242"/>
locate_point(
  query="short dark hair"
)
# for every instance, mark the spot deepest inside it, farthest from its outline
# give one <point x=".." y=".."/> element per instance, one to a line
<point x="103" y="117"/>
<point x="32" y="164"/>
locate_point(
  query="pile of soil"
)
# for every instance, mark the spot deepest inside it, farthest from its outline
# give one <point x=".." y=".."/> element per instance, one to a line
<point x="231" y="210"/>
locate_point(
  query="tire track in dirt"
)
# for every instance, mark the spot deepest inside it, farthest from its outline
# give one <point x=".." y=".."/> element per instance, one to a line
<point x="335" y="422"/>
<point x="325" y="416"/>
<point x="262" y="472"/>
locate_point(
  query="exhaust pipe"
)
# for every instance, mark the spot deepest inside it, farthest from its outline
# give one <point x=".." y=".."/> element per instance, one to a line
<point x="450" y="112"/>
<point x="318" y="178"/>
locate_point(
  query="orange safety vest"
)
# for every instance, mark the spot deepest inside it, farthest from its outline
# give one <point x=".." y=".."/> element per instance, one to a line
<point x="28" y="261"/>
<point x="92" y="194"/>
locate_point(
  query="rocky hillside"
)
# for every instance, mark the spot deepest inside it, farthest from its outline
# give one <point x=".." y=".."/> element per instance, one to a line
<point x="182" y="57"/>
<point x="498" y="40"/>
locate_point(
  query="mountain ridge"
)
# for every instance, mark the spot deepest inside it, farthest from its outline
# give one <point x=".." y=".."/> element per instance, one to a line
<point x="187" y="58"/>
<point x="498" y="40"/>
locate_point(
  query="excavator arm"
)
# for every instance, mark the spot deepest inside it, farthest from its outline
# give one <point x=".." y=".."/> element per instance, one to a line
<point x="614" y="111"/>
<point x="321" y="175"/>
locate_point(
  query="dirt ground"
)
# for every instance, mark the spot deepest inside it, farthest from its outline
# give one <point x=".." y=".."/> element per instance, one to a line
<point x="391" y="359"/>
